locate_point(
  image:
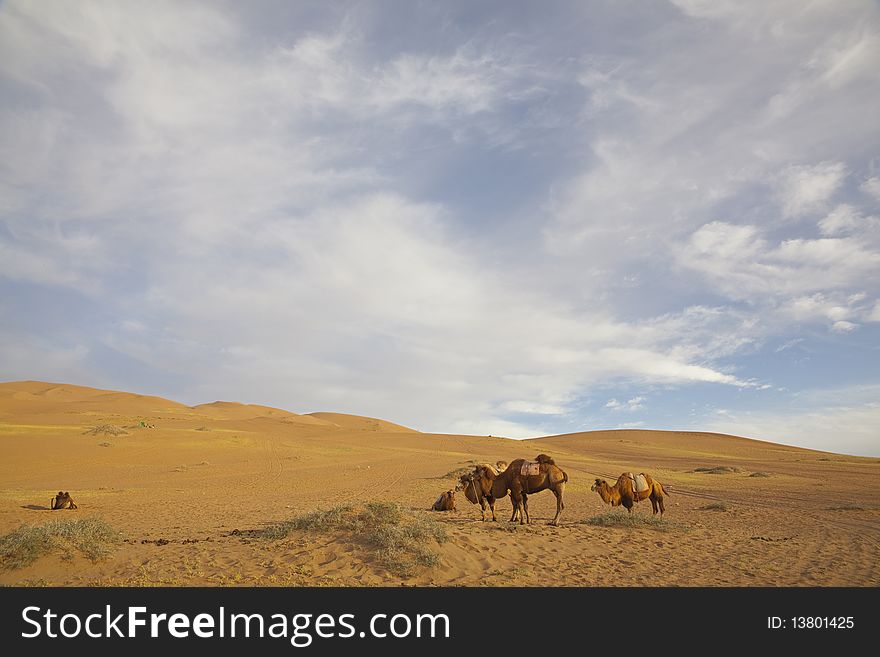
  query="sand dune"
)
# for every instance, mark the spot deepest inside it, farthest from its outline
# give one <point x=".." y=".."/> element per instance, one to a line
<point x="187" y="487"/>
<point x="358" y="423"/>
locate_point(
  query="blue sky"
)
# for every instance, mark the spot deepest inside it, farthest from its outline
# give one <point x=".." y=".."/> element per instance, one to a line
<point x="492" y="218"/>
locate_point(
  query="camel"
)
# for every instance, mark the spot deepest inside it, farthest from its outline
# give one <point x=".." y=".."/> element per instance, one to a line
<point x="522" y="478"/>
<point x="477" y="487"/>
<point x="446" y="502"/>
<point x="62" y="501"/>
<point x="624" y="494"/>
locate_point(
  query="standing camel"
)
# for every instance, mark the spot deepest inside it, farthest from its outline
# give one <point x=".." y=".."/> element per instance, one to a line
<point x="477" y="487"/>
<point x="522" y="478"/>
<point x="630" y="489"/>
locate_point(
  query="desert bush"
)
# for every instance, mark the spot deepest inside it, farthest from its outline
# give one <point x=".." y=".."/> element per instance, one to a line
<point x="400" y="537"/>
<point x="109" y="429"/>
<point x="91" y="537"/>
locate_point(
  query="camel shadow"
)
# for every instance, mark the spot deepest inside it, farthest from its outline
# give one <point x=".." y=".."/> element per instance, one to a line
<point x="36" y="507"/>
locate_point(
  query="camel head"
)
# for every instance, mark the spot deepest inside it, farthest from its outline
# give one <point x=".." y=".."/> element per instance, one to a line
<point x="545" y="460"/>
<point x="595" y="487"/>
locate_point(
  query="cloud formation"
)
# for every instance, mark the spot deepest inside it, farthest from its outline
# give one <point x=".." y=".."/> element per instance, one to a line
<point x="494" y="227"/>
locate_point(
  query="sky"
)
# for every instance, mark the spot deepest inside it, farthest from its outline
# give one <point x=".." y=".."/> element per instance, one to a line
<point x="505" y="218"/>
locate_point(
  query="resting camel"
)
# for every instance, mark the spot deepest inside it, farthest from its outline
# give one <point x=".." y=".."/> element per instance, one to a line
<point x="630" y="489"/>
<point x="522" y="478"/>
<point x="446" y="502"/>
<point x="62" y="501"/>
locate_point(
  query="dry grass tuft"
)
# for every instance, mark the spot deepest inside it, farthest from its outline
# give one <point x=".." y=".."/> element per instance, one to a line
<point x="715" y="506"/>
<point x="108" y="429"/>
<point x="399" y="536"/>
<point x="91" y="537"/>
<point x="718" y="469"/>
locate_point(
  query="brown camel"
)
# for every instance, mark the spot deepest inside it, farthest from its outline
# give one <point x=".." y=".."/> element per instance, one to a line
<point x="624" y="492"/>
<point x="62" y="501"/>
<point x="477" y="487"/>
<point x="522" y="478"/>
<point x="446" y="502"/>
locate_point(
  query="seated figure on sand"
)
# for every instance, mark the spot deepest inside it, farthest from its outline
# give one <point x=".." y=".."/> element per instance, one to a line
<point x="62" y="501"/>
<point x="446" y="502"/>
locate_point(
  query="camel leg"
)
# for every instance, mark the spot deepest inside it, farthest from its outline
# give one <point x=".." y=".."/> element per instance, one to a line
<point x="560" y="488"/>
<point x="492" y="506"/>
<point x="653" y="505"/>
<point x="515" y="514"/>
<point x="518" y="507"/>
<point x="660" y="503"/>
<point x="483" y="509"/>
<point x="525" y="499"/>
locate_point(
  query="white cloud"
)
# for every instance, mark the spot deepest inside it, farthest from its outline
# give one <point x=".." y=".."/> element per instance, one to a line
<point x="842" y="420"/>
<point x="630" y="405"/>
<point x="808" y="277"/>
<point x="805" y="189"/>
<point x="530" y="407"/>
<point x="843" y="326"/>
<point x="872" y="187"/>
<point x="846" y="219"/>
<point x="446" y="227"/>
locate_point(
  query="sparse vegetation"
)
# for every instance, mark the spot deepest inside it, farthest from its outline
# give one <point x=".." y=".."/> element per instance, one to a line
<point x="715" y="506"/>
<point x="91" y="537"/>
<point x="846" y="507"/>
<point x="399" y="536"/>
<point x="718" y="469"/>
<point x="142" y="424"/>
<point x="760" y="474"/>
<point x="105" y="444"/>
<point x="633" y="521"/>
<point x="108" y="429"/>
<point x="455" y="474"/>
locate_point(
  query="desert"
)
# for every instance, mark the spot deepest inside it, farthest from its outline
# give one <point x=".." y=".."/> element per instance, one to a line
<point x="195" y="496"/>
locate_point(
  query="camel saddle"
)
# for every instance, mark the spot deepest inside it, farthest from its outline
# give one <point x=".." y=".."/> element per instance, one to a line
<point x="530" y="469"/>
<point x="640" y="483"/>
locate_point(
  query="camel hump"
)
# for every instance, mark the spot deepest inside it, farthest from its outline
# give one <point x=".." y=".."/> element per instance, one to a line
<point x="640" y="482"/>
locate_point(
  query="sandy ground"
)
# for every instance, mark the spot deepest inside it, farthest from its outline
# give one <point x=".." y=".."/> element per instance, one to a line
<point x="185" y="492"/>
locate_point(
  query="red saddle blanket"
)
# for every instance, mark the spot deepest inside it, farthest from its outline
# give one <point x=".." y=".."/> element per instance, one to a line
<point x="530" y="468"/>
